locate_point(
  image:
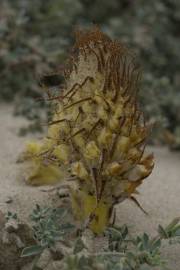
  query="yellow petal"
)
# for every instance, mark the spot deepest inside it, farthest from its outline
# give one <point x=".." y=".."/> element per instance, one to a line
<point x="53" y="131"/>
<point x="105" y="137"/>
<point x="102" y="113"/>
<point x="61" y="152"/>
<point x="79" y="170"/>
<point x="45" y="174"/>
<point x="114" y="123"/>
<point x="33" y="148"/>
<point x="92" y="151"/>
<point x="114" y="168"/>
<point x="123" y="144"/>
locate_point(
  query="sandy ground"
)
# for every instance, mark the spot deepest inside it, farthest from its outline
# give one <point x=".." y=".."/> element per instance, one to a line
<point x="160" y="193"/>
<point x="12" y="184"/>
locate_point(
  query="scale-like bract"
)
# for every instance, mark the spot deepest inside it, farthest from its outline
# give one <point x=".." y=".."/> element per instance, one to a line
<point x="98" y="133"/>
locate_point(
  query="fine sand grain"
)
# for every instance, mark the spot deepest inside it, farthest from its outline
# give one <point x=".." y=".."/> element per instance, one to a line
<point x="160" y="193"/>
<point x="15" y="194"/>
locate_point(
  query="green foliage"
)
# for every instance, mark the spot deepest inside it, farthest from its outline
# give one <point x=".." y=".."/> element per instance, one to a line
<point x="48" y="229"/>
<point x="123" y="252"/>
<point x="33" y="39"/>
<point x="33" y="42"/>
<point x="11" y="216"/>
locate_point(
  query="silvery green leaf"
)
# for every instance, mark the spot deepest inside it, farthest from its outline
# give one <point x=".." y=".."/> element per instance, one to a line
<point x="66" y="227"/>
<point x="173" y="224"/>
<point x="79" y="246"/>
<point x="162" y="232"/>
<point x="156" y="244"/>
<point x="145" y="241"/>
<point x="32" y="250"/>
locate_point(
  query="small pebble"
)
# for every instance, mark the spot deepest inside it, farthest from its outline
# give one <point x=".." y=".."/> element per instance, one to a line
<point x="9" y="200"/>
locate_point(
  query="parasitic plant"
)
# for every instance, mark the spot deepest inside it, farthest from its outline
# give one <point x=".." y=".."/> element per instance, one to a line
<point x="97" y="136"/>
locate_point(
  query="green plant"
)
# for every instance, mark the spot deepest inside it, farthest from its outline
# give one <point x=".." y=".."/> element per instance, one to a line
<point x="123" y="252"/>
<point x="33" y="40"/>
<point x="49" y="227"/>
<point x="11" y="216"/>
<point x="97" y="134"/>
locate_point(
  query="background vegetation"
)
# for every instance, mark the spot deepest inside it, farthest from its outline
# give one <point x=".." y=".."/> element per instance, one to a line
<point x="35" y="37"/>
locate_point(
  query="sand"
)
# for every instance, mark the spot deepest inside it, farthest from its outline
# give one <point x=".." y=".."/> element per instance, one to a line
<point x="12" y="184"/>
<point x="160" y="193"/>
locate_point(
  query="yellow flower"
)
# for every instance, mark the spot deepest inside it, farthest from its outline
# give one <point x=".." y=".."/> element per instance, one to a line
<point x="91" y="150"/>
<point x="79" y="170"/>
<point x="97" y="131"/>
